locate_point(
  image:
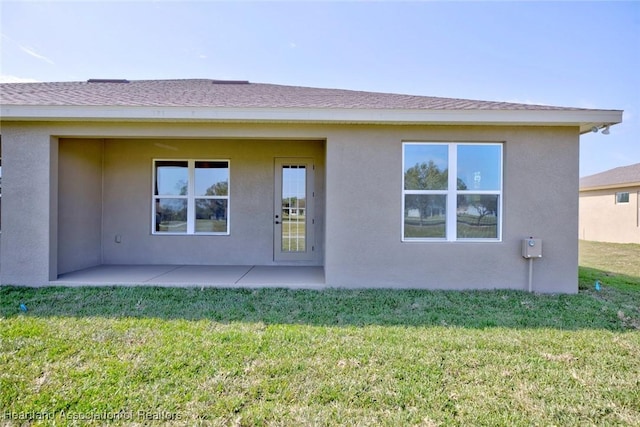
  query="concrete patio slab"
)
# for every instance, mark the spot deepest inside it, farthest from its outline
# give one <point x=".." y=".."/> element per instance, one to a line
<point x="197" y="275"/>
<point x="114" y="275"/>
<point x="203" y="275"/>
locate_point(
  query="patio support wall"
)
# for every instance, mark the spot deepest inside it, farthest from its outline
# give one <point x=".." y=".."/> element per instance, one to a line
<point x="79" y="203"/>
<point x="29" y="205"/>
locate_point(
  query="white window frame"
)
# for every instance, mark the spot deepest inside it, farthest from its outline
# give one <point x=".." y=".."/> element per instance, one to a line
<point x="452" y="192"/>
<point x="191" y="199"/>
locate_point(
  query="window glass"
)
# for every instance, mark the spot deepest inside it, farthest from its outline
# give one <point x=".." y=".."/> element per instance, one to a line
<point x="425" y="216"/>
<point x="426" y="167"/>
<point x="294" y="204"/>
<point x="212" y="178"/>
<point x="479" y="167"/>
<point x="191" y="197"/>
<point x="477" y="216"/>
<point x="211" y="216"/>
<point x="171" y="215"/>
<point x="172" y="178"/>
<point x="432" y="209"/>
<point x="622" y="197"/>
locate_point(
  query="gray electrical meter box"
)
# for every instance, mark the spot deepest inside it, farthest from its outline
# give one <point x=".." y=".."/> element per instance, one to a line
<point x="532" y="248"/>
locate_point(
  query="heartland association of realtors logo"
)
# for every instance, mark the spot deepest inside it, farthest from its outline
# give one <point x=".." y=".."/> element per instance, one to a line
<point x="138" y="415"/>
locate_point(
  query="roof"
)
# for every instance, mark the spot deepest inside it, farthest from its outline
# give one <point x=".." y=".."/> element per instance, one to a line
<point x="624" y="176"/>
<point x="217" y="93"/>
<point x="200" y="98"/>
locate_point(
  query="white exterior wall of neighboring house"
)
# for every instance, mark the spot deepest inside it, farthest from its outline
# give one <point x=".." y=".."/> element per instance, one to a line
<point x="604" y="219"/>
<point x="87" y="182"/>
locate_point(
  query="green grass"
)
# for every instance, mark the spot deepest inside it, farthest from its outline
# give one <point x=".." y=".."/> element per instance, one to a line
<point x="617" y="258"/>
<point x="333" y="357"/>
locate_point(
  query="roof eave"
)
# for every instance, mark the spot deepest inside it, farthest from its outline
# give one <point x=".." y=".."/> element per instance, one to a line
<point x="585" y="119"/>
<point x="620" y="186"/>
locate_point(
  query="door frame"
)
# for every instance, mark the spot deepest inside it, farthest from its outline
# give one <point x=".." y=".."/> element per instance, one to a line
<point x="309" y="254"/>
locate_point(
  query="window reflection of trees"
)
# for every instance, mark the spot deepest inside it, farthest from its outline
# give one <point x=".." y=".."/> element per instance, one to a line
<point x="191" y="196"/>
<point x="476" y="213"/>
<point x="427" y="176"/>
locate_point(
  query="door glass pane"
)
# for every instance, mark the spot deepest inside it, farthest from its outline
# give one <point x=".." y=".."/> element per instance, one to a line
<point x="294" y="204"/>
<point x="479" y="167"/>
<point x="171" y="215"/>
<point x="172" y="178"/>
<point x="477" y="216"/>
<point x="426" y="167"/>
<point x="211" y="215"/>
<point x="212" y="178"/>
<point x="425" y="216"/>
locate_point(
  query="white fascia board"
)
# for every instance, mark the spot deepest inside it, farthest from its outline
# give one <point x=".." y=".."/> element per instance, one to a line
<point x="620" y="186"/>
<point x="583" y="118"/>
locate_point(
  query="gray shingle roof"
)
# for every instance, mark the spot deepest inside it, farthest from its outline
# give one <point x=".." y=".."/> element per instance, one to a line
<point x="621" y="176"/>
<point x="232" y="94"/>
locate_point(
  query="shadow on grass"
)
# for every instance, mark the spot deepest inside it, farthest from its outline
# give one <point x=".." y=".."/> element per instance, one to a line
<point x="333" y="307"/>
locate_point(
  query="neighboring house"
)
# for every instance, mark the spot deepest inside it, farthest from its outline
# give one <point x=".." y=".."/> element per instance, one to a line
<point x="397" y="190"/>
<point x="610" y="205"/>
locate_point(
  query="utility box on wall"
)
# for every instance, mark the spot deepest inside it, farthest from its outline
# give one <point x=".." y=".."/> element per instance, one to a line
<point x="532" y="248"/>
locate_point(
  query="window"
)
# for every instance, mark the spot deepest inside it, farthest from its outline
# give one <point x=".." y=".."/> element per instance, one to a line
<point x="191" y="197"/>
<point x="622" y="197"/>
<point x="452" y="191"/>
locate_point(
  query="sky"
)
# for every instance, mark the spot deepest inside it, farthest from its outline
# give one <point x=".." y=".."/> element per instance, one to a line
<point x="564" y="53"/>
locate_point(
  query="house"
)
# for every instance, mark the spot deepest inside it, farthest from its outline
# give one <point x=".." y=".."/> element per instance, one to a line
<point x="610" y="205"/>
<point x="397" y="191"/>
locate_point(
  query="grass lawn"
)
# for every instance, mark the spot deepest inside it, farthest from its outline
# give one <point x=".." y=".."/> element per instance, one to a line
<point x="165" y="356"/>
<point x="617" y="258"/>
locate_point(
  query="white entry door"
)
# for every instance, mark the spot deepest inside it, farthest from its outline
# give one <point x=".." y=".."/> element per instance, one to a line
<point x="293" y="231"/>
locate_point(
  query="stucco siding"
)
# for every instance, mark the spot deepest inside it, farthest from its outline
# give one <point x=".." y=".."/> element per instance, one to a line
<point x="604" y="220"/>
<point x="29" y="205"/>
<point x="364" y="182"/>
<point x="128" y="191"/>
<point x="79" y="204"/>
<point x="358" y="201"/>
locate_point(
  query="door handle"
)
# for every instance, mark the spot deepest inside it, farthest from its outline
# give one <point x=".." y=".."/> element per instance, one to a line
<point x="277" y="222"/>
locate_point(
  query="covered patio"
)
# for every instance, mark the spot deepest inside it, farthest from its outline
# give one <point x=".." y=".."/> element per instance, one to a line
<point x="197" y="275"/>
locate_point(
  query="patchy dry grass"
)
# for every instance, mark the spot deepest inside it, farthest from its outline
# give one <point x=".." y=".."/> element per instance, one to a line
<point x="615" y="258"/>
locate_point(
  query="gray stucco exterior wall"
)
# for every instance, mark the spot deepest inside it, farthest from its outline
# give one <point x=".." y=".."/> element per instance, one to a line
<point x="105" y="202"/>
<point x="361" y="203"/>
<point x="128" y="188"/>
<point x="80" y="204"/>
<point x="29" y="205"/>
<point x="540" y="199"/>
